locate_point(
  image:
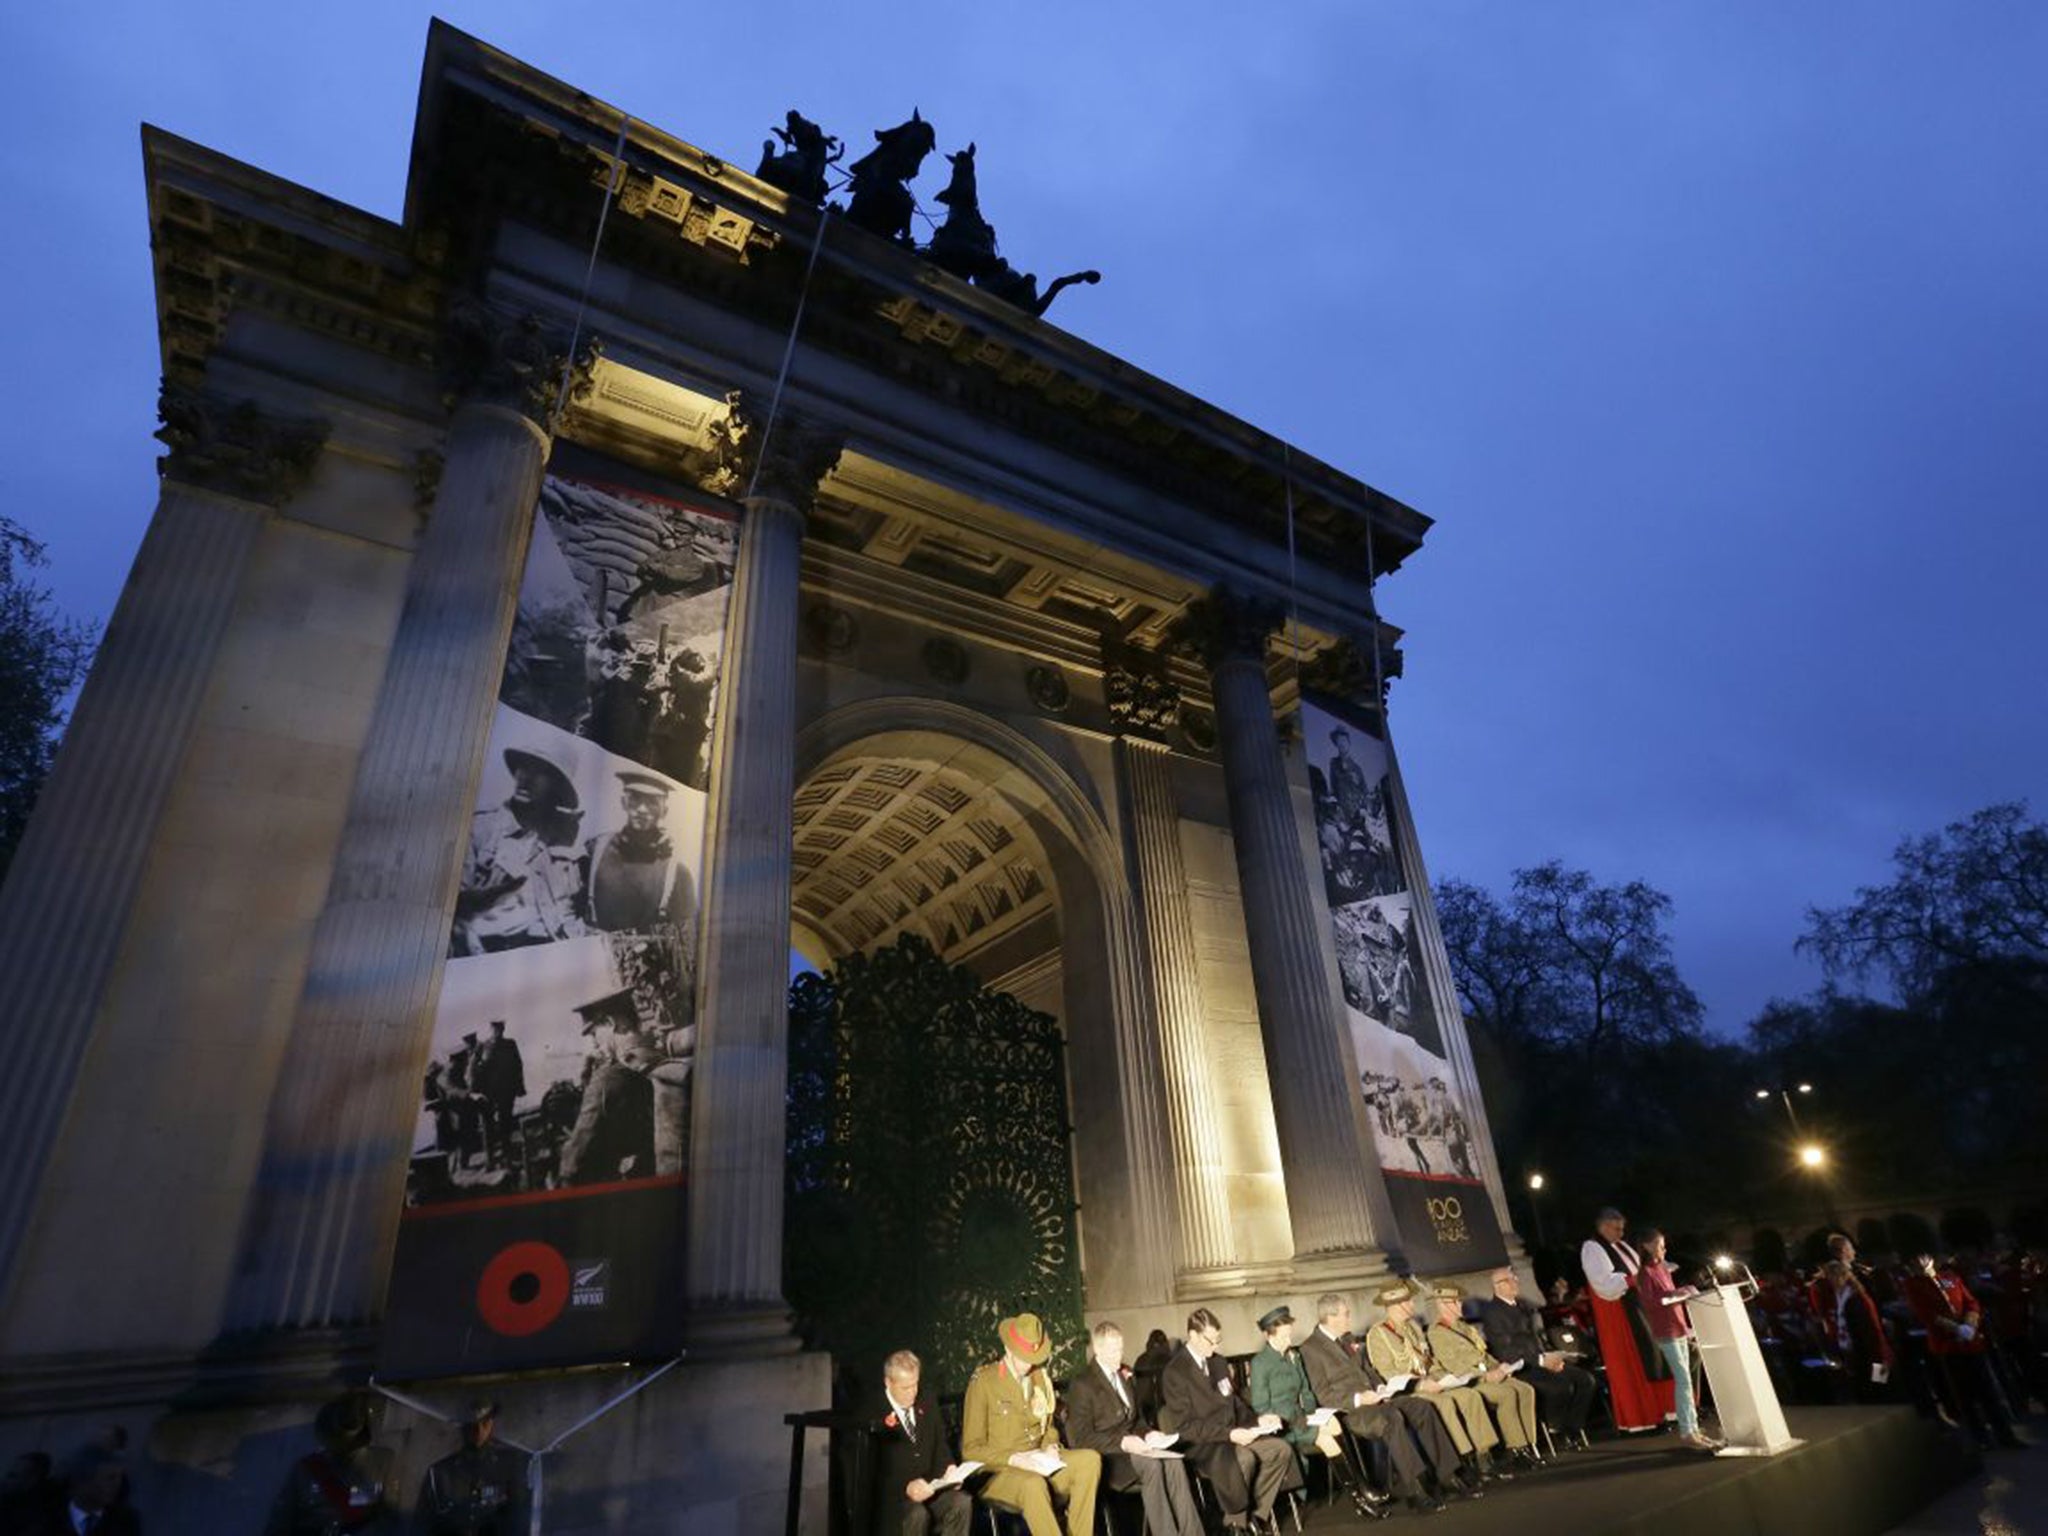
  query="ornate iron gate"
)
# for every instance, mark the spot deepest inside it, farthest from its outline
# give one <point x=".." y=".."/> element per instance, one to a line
<point x="930" y="1186"/>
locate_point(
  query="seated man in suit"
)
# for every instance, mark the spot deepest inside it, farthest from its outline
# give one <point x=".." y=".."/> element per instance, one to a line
<point x="1514" y="1331"/>
<point x="1397" y="1346"/>
<point x="1238" y="1451"/>
<point x="1343" y="1378"/>
<point x="1460" y="1347"/>
<point x="910" y="1456"/>
<point x="1102" y="1416"/>
<point x="1278" y="1385"/>
<point x="1006" y="1424"/>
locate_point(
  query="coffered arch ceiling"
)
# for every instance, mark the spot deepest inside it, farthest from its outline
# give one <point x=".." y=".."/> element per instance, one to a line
<point x="896" y="842"/>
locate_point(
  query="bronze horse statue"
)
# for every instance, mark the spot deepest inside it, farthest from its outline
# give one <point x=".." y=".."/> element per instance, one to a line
<point x="965" y="245"/>
<point x="808" y="151"/>
<point x="881" y="202"/>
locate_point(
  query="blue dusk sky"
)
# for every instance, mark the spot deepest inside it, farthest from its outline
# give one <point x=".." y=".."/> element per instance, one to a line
<point x="1713" y="334"/>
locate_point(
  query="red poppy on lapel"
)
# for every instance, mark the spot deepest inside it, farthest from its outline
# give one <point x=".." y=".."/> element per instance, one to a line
<point x="890" y="1422"/>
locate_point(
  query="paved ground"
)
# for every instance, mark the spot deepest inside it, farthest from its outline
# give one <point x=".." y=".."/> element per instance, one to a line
<point x="2009" y="1499"/>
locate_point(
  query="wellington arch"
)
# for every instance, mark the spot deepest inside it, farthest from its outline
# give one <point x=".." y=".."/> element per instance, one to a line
<point x="562" y="603"/>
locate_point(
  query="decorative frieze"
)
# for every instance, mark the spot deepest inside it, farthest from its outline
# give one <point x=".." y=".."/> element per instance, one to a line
<point x="1144" y="701"/>
<point x="696" y="219"/>
<point x="233" y="447"/>
<point x="1048" y="689"/>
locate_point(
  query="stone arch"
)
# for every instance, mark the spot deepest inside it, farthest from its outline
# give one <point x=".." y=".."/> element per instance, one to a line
<point x="1122" y="1161"/>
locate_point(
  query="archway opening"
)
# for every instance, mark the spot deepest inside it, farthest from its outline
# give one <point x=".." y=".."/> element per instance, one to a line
<point x="931" y="1177"/>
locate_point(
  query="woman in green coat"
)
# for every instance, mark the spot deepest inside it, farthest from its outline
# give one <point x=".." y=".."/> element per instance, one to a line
<point x="1280" y="1386"/>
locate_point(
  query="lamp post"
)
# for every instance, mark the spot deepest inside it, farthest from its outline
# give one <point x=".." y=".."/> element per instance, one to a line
<point x="1536" y="1182"/>
<point x="1785" y="1097"/>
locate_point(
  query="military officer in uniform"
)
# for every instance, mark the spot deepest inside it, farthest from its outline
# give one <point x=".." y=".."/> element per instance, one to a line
<point x="634" y="881"/>
<point x="613" y="1137"/>
<point x="1460" y="1348"/>
<point x="497" y="1076"/>
<point x="1397" y="1346"/>
<point x="1006" y="1424"/>
<point x="479" y="1490"/>
<point x="522" y="880"/>
<point x="339" y="1486"/>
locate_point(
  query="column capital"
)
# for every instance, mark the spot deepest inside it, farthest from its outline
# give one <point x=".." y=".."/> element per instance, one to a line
<point x="1227" y="625"/>
<point x="234" y="447"/>
<point x="782" y="458"/>
<point x="516" y="361"/>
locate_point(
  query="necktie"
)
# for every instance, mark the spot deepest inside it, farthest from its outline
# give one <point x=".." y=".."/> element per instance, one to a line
<point x="910" y="1422"/>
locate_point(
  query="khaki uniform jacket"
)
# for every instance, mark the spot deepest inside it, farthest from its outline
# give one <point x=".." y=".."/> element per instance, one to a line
<point x="998" y="1419"/>
<point x="1460" y="1348"/>
<point x="1399" y="1349"/>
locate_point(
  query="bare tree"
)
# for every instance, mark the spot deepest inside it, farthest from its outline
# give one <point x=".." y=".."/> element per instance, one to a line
<point x="1973" y="896"/>
<point x="42" y="657"/>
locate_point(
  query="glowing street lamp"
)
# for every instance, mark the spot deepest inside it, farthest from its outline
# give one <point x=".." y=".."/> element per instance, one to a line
<point x="1813" y="1155"/>
<point x="1536" y="1183"/>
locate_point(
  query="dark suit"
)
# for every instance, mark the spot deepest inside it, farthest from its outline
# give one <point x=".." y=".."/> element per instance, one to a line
<point x="1200" y="1402"/>
<point x="1097" y="1420"/>
<point x="904" y="1453"/>
<point x="1514" y="1331"/>
<point x="1338" y="1371"/>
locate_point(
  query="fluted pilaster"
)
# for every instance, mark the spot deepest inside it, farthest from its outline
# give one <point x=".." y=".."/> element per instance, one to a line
<point x="1313" y="1098"/>
<point x="324" y="1213"/>
<point x="1197" y="1140"/>
<point x="66" y="901"/>
<point x="737" y="1126"/>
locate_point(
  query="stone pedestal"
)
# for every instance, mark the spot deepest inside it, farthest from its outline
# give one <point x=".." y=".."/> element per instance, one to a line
<point x="1315" y="1105"/>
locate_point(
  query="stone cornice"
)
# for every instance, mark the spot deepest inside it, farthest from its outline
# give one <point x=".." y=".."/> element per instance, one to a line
<point x="225" y="235"/>
<point x="550" y="156"/>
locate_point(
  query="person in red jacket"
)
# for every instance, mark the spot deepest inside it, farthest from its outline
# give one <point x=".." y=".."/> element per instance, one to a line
<point x="1954" y="1321"/>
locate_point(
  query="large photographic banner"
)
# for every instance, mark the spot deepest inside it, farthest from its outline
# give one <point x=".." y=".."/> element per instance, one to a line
<point x="544" y="1196"/>
<point x="1421" y="1125"/>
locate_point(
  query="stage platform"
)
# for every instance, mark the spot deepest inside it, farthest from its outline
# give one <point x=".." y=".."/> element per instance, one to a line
<point x="1861" y="1472"/>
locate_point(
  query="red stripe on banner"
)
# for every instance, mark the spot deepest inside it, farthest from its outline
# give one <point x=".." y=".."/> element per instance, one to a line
<point x="541" y="1196"/>
<point x="1436" y="1178"/>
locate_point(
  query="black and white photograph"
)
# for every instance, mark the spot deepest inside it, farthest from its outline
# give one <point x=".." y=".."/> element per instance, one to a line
<point x="1418" y="1121"/>
<point x="567" y="1070"/>
<point x="569" y="840"/>
<point x="621" y="624"/>
<point x="1354" y="804"/>
<point x="1379" y="959"/>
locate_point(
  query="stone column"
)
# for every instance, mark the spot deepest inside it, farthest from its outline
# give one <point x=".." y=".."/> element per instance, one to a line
<point x="737" y="1127"/>
<point x="324" y="1213"/>
<point x="1204" y="1206"/>
<point x="66" y="900"/>
<point x="1314" y="1103"/>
